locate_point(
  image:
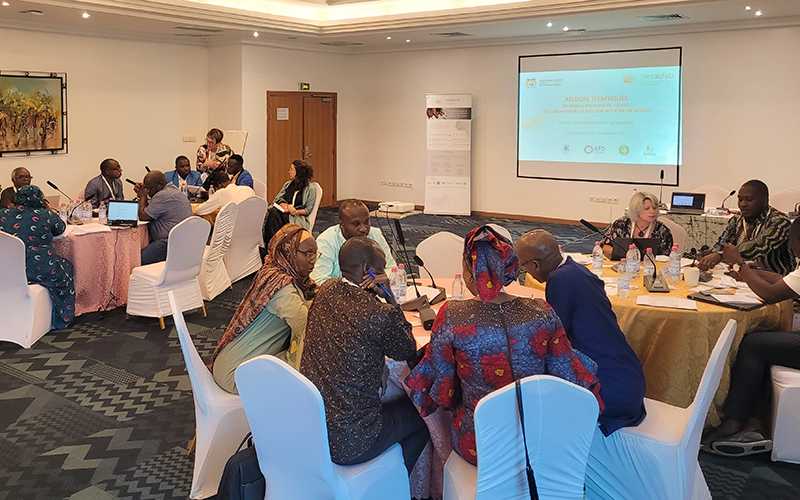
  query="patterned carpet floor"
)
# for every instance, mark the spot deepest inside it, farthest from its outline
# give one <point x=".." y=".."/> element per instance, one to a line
<point x="103" y="410"/>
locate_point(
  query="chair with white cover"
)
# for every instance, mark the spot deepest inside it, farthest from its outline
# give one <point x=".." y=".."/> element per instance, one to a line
<point x="441" y="253"/>
<point x="213" y="276"/>
<point x="785" y="200"/>
<point x="312" y="217"/>
<point x="243" y="258"/>
<point x="260" y="188"/>
<point x="657" y="460"/>
<point x="220" y="422"/>
<point x="148" y="286"/>
<point x="560" y="419"/>
<point x="26" y="309"/>
<point x="678" y="233"/>
<point x="714" y="194"/>
<point x="785" y="414"/>
<point x="287" y="418"/>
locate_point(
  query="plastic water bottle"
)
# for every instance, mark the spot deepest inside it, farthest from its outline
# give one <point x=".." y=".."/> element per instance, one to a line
<point x="597" y="259"/>
<point x="457" y="293"/>
<point x="102" y="213"/>
<point x="401" y="282"/>
<point x="62" y="212"/>
<point x="647" y="264"/>
<point x="393" y="281"/>
<point x="623" y="283"/>
<point x="674" y="265"/>
<point x="86" y="212"/>
<point x="632" y="266"/>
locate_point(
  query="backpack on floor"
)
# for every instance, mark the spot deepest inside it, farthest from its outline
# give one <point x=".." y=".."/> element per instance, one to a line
<point x="241" y="478"/>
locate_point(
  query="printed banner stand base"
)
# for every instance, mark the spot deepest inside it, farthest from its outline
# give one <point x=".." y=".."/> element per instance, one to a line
<point x="449" y="151"/>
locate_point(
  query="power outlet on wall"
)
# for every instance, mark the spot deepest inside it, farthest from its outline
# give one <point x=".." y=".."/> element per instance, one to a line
<point x="610" y="200"/>
<point x="397" y="184"/>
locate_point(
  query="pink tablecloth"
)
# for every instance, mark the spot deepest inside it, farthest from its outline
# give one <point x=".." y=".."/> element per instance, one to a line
<point x="102" y="265"/>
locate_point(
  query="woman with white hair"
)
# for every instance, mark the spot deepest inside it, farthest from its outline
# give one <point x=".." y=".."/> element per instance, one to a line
<point x="641" y="222"/>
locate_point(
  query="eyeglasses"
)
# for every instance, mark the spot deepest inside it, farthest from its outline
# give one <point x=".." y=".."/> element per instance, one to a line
<point x="25" y="177"/>
<point x="311" y="255"/>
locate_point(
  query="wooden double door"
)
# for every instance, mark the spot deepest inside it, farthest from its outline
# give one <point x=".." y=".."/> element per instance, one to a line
<point x="302" y="126"/>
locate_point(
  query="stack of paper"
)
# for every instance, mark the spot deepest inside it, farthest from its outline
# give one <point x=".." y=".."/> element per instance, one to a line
<point x="90" y="228"/>
<point x="666" y="301"/>
<point x="739" y="298"/>
<point x="579" y="258"/>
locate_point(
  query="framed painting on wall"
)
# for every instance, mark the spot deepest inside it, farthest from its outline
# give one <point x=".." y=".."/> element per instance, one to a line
<point x="32" y="113"/>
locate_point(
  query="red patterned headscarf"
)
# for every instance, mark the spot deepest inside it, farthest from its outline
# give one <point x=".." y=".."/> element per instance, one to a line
<point x="492" y="260"/>
<point x="279" y="270"/>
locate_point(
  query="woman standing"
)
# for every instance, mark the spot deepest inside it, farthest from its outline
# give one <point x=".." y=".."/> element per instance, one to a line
<point x="272" y="316"/>
<point x="641" y="222"/>
<point x="296" y="201"/>
<point x="33" y="223"/>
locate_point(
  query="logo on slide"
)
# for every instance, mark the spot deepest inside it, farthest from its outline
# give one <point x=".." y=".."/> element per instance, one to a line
<point x="588" y="150"/>
<point x="565" y="149"/>
<point x="530" y="82"/>
<point x="649" y="151"/>
<point x="624" y="150"/>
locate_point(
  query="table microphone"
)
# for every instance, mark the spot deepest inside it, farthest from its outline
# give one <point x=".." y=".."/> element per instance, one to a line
<point x="421" y="302"/>
<point x="442" y="292"/>
<point x="661" y="204"/>
<point x="148" y="168"/>
<point x="130" y="181"/>
<point x="726" y="199"/>
<point x="60" y="191"/>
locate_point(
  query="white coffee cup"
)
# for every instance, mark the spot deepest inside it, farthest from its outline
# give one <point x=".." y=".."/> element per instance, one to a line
<point x="691" y="275"/>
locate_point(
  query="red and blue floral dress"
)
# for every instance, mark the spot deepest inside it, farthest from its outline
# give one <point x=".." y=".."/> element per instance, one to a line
<point x="467" y="358"/>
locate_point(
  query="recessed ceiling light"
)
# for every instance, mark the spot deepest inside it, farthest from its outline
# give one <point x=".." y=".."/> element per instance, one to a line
<point x="85" y="15"/>
<point x="549" y="25"/>
<point x="255" y="34"/>
<point x="758" y="12"/>
<point x="6" y="4"/>
<point x="388" y="38"/>
<point x="566" y="28"/>
<point x="408" y="40"/>
<point x="747" y="7"/>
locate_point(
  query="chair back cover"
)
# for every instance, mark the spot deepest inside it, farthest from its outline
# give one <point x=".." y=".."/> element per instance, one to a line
<point x="15" y="298"/>
<point x="260" y="188"/>
<point x="312" y="217"/>
<point x="714" y="195"/>
<point x="678" y="233"/>
<point x="213" y="275"/>
<point x="441" y="253"/>
<point x="785" y="200"/>
<point x="243" y="257"/>
<point x="199" y="375"/>
<point x="560" y="419"/>
<point x="185" y="247"/>
<point x="708" y="386"/>
<point x="287" y="418"/>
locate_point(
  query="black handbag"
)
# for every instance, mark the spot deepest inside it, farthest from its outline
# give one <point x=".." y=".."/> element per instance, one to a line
<point x="241" y="478"/>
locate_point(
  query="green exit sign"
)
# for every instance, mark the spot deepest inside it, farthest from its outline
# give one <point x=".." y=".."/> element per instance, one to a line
<point x="305" y="86"/>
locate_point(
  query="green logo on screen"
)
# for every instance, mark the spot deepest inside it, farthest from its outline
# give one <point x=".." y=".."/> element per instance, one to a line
<point x="624" y="150"/>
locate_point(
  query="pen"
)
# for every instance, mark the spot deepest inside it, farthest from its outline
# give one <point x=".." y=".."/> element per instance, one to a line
<point x="372" y="275"/>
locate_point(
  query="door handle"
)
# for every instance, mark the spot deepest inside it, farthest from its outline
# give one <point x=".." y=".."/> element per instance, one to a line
<point x="306" y="154"/>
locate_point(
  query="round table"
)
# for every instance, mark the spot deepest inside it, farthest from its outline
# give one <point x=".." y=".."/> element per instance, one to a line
<point x="674" y="344"/>
<point x="102" y="265"/>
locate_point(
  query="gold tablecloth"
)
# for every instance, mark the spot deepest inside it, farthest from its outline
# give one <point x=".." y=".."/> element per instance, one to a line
<point x="212" y="217"/>
<point x="674" y="344"/>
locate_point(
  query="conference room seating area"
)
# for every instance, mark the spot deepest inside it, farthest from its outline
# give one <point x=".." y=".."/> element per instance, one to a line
<point x="105" y="408"/>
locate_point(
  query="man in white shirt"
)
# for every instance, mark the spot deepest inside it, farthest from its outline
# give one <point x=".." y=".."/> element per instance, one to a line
<point x="353" y="221"/>
<point x="742" y="431"/>
<point x="224" y="192"/>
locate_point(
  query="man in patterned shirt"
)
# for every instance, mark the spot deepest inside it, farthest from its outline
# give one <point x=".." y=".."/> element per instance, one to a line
<point x="349" y="334"/>
<point x="759" y="231"/>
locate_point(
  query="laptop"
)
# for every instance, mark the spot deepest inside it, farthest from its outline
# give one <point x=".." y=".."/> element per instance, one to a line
<point x="641" y="243"/>
<point x="688" y="203"/>
<point x="123" y="213"/>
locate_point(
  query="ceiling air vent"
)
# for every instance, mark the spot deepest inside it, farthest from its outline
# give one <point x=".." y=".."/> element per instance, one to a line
<point x="452" y="34"/>
<point x="341" y="44"/>
<point x="32" y="12"/>
<point x="195" y="29"/>
<point x="662" y="18"/>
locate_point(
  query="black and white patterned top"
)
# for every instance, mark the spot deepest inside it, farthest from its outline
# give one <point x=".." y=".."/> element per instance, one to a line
<point x="621" y="228"/>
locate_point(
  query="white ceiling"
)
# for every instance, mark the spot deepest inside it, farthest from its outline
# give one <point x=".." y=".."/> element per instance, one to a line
<point x="323" y="25"/>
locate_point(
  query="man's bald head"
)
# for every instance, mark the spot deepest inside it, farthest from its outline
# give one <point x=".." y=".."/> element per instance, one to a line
<point x="154" y="182"/>
<point x="357" y="251"/>
<point x="538" y="253"/>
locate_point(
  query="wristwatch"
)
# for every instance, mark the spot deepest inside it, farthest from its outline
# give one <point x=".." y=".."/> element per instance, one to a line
<point x="737" y="267"/>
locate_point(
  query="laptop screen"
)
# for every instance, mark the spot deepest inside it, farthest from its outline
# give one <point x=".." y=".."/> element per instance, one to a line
<point x="123" y="211"/>
<point x="696" y="201"/>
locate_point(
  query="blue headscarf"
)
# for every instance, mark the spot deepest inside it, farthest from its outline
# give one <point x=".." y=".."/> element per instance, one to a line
<point x="30" y="197"/>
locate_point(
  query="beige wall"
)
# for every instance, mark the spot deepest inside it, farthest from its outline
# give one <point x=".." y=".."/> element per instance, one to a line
<point x="132" y="101"/>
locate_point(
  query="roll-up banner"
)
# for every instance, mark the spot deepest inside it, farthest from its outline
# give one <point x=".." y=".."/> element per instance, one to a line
<point x="447" y="179"/>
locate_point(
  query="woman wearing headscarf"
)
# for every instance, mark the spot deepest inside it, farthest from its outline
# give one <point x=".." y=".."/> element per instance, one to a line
<point x="482" y="344"/>
<point x="296" y="201"/>
<point x="272" y="316"/>
<point x="36" y="225"/>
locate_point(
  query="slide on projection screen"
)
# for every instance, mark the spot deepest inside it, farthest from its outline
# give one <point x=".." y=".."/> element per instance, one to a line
<point x="601" y="116"/>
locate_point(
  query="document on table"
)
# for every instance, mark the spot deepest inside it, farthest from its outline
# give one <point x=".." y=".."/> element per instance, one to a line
<point x="667" y="302"/>
<point x="742" y="298"/>
<point x="89" y="229"/>
<point x="579" y="258"/>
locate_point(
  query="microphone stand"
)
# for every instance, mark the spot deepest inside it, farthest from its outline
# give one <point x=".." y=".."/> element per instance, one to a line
<point x="442" y="292"/>
<point x="726" y="199"/>
<point x="655" y="283"/>
<point x="661" y="204"/>
<point x="421" y="302"/>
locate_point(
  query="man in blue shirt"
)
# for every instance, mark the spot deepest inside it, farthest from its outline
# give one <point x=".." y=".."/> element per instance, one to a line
<point x="239" y="175"/>
<point x="183" y="175"/>
<point x="579" y="299"/>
